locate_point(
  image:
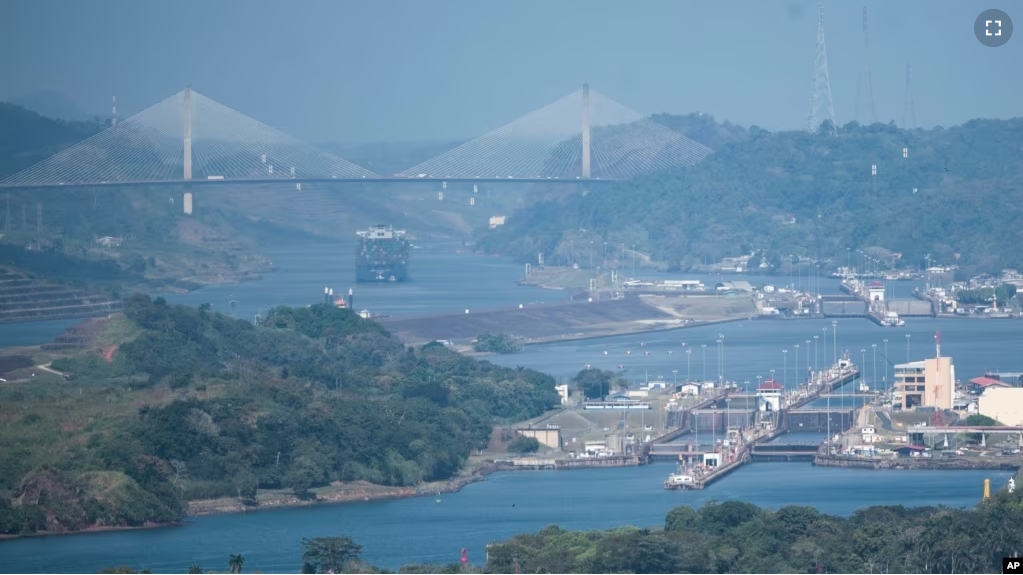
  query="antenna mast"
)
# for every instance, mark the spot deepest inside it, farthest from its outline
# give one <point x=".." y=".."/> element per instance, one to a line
<point x="820" y="97"/>
<point x="865" y="75"/>
<point x="908" y="112"/>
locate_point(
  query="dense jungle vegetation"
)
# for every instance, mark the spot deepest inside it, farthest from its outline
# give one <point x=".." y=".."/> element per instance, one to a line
<point x="180" y="403"/>
<point x="954" y="196"/>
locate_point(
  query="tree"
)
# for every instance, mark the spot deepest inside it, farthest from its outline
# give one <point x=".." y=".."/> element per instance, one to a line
<point x="330" y="554"/>
<point x="496" y="343"/>
<point x="235" y="562"/>
<point x="523" y="444"/>
<point x="193" y="568"/>
<point x="594" y="383"/>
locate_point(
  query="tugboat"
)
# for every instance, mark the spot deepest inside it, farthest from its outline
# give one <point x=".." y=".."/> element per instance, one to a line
<point x="679" y="480"/>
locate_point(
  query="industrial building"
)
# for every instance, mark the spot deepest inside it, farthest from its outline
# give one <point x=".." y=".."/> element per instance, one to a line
<point x="927" y="383"/>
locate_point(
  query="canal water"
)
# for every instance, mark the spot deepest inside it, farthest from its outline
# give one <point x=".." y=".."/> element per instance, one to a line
<point x="422" y="530"/>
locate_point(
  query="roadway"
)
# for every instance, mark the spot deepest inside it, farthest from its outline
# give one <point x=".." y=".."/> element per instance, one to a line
<point x="290" y="180"/>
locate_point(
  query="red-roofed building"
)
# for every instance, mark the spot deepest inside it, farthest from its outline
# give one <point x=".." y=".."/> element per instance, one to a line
<point x="979" y="384"/>
<point x="769" y="395"/>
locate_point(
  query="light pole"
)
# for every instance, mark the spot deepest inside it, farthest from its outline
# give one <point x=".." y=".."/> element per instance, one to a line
<point x="718" y="342"/>
<point x="817" y="373"/>
<point x="795" y="363"/>
<point x="807" y="342"/>
<point x="825" y="350"/>
<point x="873" y="368"/>
<point x="784" y="367"/>
<point x="675" y="373"/>
<point x="689" y="370"/>
<point x="907" y="348"/>
<point x="704" y="347"/>
<point x="834" y="329"/>
<point x="886" y="361"/>
<point x="863" y="362"/>
<point x="722" y="374"/>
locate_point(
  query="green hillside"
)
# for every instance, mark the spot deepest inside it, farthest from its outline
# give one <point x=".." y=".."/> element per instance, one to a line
<point x="793" y="193"/>
<point x="174" y="403"/>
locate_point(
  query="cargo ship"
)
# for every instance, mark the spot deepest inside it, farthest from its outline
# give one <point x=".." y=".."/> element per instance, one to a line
<point x="382" y="255"/>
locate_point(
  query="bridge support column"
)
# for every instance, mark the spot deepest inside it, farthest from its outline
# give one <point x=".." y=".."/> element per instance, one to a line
<point x="983" y="440"/>
<point x="586" y="131"/>
<point x="187" y="101"/>
<point x="1020" y="442"/>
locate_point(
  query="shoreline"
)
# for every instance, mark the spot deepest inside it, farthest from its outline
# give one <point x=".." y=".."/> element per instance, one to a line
<point x="359" y="491"/>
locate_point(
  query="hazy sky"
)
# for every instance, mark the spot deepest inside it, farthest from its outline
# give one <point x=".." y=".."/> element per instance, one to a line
<point x="346" y="71"/>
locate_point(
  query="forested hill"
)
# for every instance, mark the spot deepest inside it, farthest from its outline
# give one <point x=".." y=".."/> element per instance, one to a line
<point x="176" y="403"/>
<point x="27" y="137"/>
<point x="955" y="195"/>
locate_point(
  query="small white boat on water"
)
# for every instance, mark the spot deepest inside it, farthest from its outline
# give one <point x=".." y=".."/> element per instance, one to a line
<point x="679" y="480"/>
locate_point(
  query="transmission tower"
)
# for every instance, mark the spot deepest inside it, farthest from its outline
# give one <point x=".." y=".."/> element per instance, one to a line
<point x="820" y="97"/>
<point x="865" y="78"/>
<point x="908" y="113"/>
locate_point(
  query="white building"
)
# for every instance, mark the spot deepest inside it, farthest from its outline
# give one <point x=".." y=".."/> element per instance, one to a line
<point x="769" y="396"/>
<point x="1003" y="404"/>
<point x="562" y="392"/>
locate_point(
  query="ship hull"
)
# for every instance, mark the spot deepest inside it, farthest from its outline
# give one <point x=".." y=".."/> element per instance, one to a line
<point x="377" y="273"/>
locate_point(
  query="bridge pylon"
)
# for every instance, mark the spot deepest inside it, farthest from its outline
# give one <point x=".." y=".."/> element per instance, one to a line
<point x="586" y="131"/>
<point x="186" y="97"/>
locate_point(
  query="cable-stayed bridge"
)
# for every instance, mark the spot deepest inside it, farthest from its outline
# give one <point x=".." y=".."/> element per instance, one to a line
<point x="191" y="139"/>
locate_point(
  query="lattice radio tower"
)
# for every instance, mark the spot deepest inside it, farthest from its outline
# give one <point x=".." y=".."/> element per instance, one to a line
<point x="820" y="97"/>
<point x="908" y="113"/>
<point x="865" y="77"/>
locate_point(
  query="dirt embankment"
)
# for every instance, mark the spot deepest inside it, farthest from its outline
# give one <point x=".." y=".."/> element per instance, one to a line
<point x="565" y="321"/>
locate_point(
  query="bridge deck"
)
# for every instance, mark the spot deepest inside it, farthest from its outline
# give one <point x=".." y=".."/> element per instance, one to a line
<point x="363" y="180"/>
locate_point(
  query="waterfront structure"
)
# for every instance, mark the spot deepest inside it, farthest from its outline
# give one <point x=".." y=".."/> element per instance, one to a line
<point x="1003" y="404"/>
<point x="769" y="396"/>
<point x="927" y="383"/>
<point x="876" y="292"/>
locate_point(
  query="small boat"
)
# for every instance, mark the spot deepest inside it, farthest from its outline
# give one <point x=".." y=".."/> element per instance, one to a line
<point x="678" y="481"/>
<point x="438" y="497"/>
<point x="864" y="388"/>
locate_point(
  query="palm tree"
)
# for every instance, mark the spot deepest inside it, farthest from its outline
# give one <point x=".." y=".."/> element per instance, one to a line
<point x="194" y="569"/>
<point x="235" y="562"/>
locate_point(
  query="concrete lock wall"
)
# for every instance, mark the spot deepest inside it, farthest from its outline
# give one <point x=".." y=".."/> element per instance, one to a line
<point x="839" y="308"/>
<point x="909" y="307"/>
<point x="817" y="420"/>
<point x="705" y="420"/>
